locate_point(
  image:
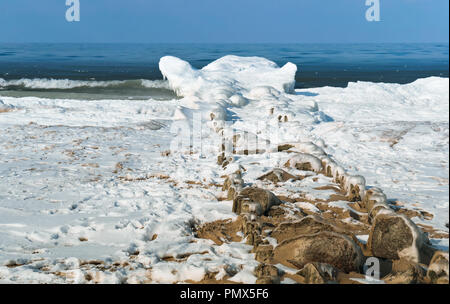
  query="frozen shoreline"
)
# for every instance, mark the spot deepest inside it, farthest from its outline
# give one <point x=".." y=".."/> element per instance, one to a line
<point x="58" y="172"/>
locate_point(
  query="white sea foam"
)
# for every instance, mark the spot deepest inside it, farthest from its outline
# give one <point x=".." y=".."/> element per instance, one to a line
<point x="48" y="83"/>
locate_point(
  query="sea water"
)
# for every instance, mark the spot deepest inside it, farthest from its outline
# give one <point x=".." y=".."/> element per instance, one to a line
<point x="125" y="66"/>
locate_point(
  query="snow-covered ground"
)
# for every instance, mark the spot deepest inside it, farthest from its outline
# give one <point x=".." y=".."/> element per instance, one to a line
<point x="89" y="182"/>
<point x="397" y="136"/>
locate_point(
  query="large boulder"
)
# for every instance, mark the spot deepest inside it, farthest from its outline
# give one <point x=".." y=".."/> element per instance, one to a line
<point x="308" y="225"/>
<point x="254" y="201"/>
<point x="438" y="268"/>
<point x="335" y="249"/>
<point x="394" y="236"/>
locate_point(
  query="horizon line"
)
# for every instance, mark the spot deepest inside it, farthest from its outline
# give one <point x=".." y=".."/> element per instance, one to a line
<point x="115" y="42"/>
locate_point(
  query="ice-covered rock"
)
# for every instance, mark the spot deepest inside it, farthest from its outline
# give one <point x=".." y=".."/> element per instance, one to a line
<point x="277" y="175"/>
<point x="303" y="161"/>
<point x="339" y="174"/>
<point x="254" y="201"/>
<point x="230" y="82"/>
<point x="377" y="208"/>
<point x="233" y="184"/>
<point x="303" y="147"/>
<point x="372" y="197"/>
<point x="395" y="236"/>
<point x="328" y="165"/>
<point x="227" y="76"/>
<point x="355" y="186"/>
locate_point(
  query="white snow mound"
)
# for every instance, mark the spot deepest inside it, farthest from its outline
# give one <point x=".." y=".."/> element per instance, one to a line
<point x="227" y="76"/>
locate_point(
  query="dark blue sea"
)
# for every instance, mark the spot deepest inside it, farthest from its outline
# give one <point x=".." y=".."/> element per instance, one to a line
<point x="318" y="64"/>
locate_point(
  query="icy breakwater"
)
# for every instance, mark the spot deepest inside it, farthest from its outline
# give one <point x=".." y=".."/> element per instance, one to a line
<point x="321" y="245"/>
<point x="227" y="182"/>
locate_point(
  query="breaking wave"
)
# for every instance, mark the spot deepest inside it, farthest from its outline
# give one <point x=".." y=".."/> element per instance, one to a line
<point x="67" y="84"/>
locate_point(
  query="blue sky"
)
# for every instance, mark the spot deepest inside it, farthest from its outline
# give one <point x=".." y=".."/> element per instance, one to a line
<point x="242" y="21"/>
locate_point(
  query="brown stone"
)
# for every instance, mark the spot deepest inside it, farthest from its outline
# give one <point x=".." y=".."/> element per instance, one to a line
<point x="220" y="231"/>
<point x="308" y="225"/>
<point x="265" y="270"/>
<point x="405" y="272"/>
<point x="306" y="166"/>
<point x="395" y="236"/>
<point x="438" y="268"/>
<point x="276" y="176"/>
<point x="284" y="147"/>
<point x="375" y="209"/>
<point x="264" y="253"/>
<point x="373" y="196"/>
<point x="335" y="249"/>
<point x="304" y="162"/>
<point x="254" y="200"/>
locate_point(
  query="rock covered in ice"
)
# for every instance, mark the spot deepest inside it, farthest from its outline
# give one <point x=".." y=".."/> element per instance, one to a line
<point x="277" y="175"/>
<point x="245" y="143"/>
<point x="305" y="147"/>
<point x="377" y="208"/>
<point x="395" y="236"/>
<point x="355" y="186"/>
<point x="233" y="184"/>
<point x="228" y="77"/>
<point x="304" y="161"/>
<point x="372" y="197"/>
<point x="254" y="200"/>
